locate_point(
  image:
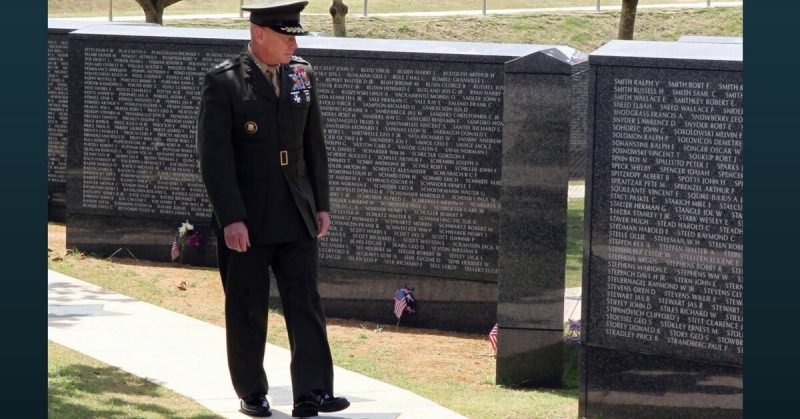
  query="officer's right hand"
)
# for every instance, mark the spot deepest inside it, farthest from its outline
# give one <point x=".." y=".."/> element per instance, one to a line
<point x="236" y="237"/>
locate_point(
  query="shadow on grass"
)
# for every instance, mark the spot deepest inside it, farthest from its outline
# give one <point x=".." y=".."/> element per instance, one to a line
<point x="81" y="391"/>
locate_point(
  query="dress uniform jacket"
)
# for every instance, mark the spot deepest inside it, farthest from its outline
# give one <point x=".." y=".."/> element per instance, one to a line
<point x="262" y="157"/>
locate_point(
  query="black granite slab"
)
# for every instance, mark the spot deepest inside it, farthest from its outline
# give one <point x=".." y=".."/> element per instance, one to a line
<point x="57" y="114"/>
<point x="58" y="108"/>
<point x="624" y="384"/>
<point x="538" y="105"/>
<point x="676" y="55"/>
<point x="663" y="287"/>
<point x="712" y="39"/>
<point x="414" y="133"/>
<point x="442" y="303"/>
<point x="132" y="172"/>
<point x="530" y="358"/>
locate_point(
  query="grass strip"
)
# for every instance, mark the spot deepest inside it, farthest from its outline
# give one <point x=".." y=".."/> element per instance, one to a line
<point x="80" y="387"/>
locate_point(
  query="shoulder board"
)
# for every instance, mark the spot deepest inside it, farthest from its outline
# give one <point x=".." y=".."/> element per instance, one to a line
<point x="296" y="59"/>
<point x="223" y="66"/>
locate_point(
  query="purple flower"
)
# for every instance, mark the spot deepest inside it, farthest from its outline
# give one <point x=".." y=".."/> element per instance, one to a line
<point x="574" y="325"/>
<point x="195" y="240"/>
<point x="573" y="336"/>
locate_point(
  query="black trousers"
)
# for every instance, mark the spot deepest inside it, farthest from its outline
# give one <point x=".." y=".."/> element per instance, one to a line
<point x="245" y="279"/>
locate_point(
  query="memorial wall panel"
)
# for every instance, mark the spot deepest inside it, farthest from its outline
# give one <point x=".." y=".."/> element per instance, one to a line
<point x="57" y="117"/>
<point x="673" y="260"/>
<point x="133" y="176"/>
<point x="663" y="288"/>
<point x="139" y="113"/>
<point x="58" y="111"/>
<point x="414" y="161"/>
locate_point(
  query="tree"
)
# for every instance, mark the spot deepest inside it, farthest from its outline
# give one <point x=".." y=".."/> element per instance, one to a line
<point x="154" y="9"/>
<point x="627" y="18"/>
<point x="338" y="11"/>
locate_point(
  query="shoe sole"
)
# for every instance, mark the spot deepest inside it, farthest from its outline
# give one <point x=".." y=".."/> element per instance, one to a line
<point x="304" y="413"/>
<point x="308" y="413"/>
<point x="256" y="415"/>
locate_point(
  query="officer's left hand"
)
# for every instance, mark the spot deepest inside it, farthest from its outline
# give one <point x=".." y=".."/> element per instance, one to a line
<point x="323" y="222"/>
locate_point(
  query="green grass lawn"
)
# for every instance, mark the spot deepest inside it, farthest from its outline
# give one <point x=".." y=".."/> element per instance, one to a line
<point x="79" y="387"/>
<point x="585" y="31"/>
<point x="574" y="269"/>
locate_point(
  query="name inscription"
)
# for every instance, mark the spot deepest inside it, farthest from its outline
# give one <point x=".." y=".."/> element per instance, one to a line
<point x="675" y="222"/>
<point x="414" y="156"/>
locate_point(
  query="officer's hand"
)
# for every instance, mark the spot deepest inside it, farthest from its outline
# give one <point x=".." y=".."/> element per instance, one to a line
<point x="323" y="222"/>
<point x="236" y="237"/>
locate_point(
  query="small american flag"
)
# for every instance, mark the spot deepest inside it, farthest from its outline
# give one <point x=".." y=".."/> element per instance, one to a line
<point x="493" y="337"/>
<point x="402" y="297"/>
<point x="176" y="250"/>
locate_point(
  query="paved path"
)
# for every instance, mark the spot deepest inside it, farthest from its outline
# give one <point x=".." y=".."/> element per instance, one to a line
<point x="476" y="12"/>
<point x="188" y="355"/>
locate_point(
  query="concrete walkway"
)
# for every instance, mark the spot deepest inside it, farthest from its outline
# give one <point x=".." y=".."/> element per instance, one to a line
<point x="188" y="355"/>
<point x="475" y="12"/>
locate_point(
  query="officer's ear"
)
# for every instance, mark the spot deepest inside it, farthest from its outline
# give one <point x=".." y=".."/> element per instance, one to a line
<point x="257" y="33"/>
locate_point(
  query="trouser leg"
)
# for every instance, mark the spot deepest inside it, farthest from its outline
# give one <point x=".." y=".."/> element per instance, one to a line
<point x="295" y="268"/>
<point x="222" y="258"/>
<point x="246" y="297"/>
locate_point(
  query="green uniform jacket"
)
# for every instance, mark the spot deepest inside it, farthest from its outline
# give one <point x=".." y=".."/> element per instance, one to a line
<point x="262" y="158"/>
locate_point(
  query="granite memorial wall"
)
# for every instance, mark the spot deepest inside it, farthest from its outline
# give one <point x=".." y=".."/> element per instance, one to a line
<point x="414" y="132"/>
<point x="539" y="107"/>
<point x="662" y="291"/>
<point x="58" y="114"/>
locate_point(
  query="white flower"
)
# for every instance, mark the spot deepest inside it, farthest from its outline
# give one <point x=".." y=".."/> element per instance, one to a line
<point x="185" y="228"/>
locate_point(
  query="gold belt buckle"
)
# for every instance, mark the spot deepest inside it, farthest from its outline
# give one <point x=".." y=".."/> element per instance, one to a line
<point x="284" y="157"/>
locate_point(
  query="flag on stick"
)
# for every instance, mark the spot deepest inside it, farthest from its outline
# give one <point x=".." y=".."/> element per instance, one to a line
<point x="176" y="250"/>
<point x="403" y="301"/>
<point x="493" y="337"/>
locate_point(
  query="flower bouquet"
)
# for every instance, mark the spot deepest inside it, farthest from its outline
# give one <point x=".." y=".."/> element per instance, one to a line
<point x="186" y="236"/>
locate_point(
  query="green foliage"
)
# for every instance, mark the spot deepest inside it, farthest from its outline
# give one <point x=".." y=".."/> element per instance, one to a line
<point x="585" y="31"/>
<point x="574" y="268"/>
<point x="572" y="363"/>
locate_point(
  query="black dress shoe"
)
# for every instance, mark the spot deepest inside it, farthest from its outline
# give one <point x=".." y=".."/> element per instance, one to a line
<point x="256" y="407"/>
<point x="310" y="404"/>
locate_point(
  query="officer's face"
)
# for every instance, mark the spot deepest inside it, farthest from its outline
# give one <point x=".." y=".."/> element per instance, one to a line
<point x="272" y="47"/>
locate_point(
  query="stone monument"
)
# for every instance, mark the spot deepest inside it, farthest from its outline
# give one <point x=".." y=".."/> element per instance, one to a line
<point x="539" y="108"/>
<point x="58" y="114"/>
<point x="662" y="291"/>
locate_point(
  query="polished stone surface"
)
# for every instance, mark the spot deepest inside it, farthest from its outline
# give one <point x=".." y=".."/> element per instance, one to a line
<point x="442" y="303"/>
<point x="530" y="358"/>
<point x="132" y="174"/>
<point x="579" y="125"/>
<point x="536" y="132"/>
<point x="712" y="39"/>
<point x="663" y="289"/>
<point x="624" y="384"/>
<point x="58" y="111"/>
<point x="139" y="238"/>
<point x="677" y="55"/>
<point x="57" y="117"/>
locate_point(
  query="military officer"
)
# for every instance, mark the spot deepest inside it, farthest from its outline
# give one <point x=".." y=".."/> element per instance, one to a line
<point x="263" y="161"/>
